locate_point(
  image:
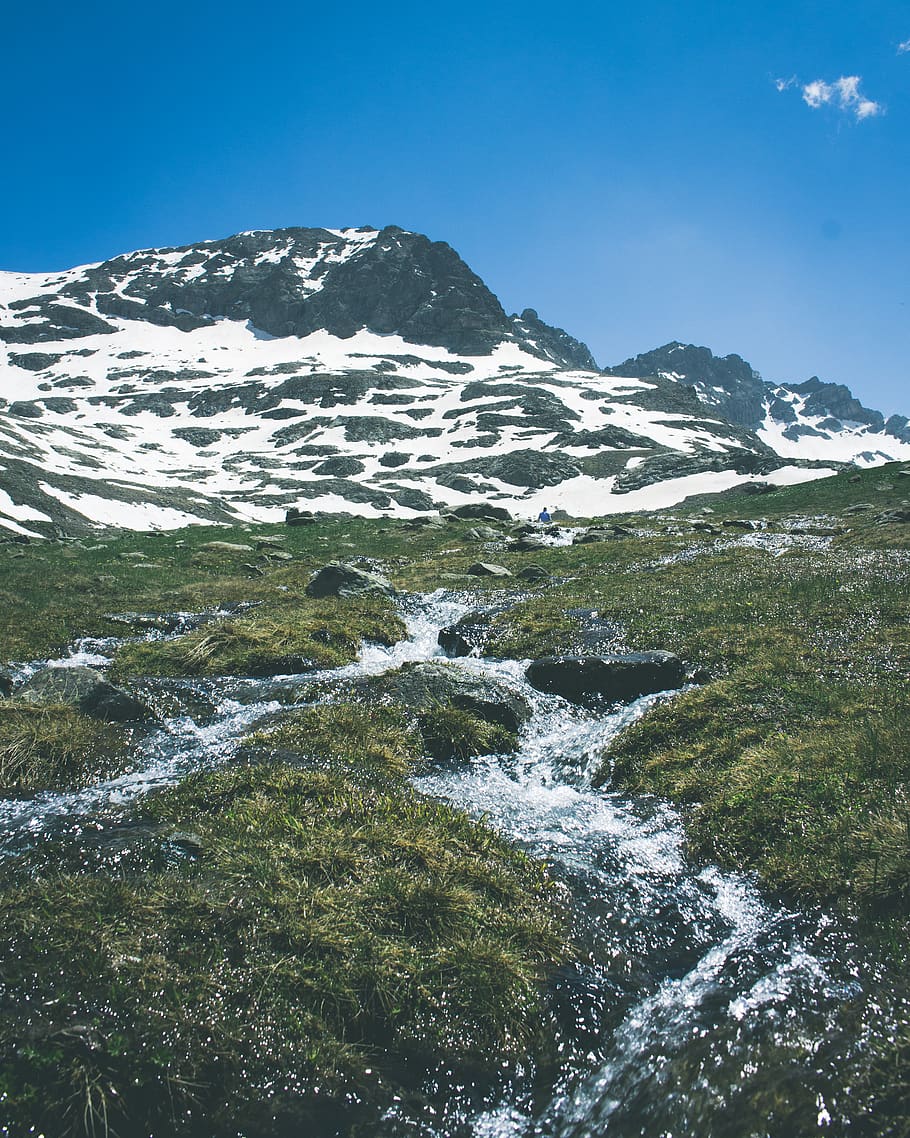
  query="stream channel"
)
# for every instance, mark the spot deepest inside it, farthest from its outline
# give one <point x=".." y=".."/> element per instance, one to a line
<point x="696" y="1005"/>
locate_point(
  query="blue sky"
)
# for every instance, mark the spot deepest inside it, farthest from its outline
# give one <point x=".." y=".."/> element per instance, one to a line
<point x="724" y="174"/>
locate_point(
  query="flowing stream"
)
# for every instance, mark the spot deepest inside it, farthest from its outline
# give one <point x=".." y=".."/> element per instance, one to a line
<point x="695" y="1005"/>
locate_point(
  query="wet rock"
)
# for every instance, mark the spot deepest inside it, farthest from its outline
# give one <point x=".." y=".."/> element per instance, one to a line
<point x="6" y="682"/>
<point x="466" y="637"/>
<point x="594" y="680"/>
<point x="428" y="685"/>
<point x="338" y="579"/>
<point x="86" y="689"/>
<point x="186" y="843"/>
<point x="488" y="569"/>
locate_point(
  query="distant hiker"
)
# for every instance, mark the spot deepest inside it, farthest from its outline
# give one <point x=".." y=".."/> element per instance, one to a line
<point x="544" y="515"/>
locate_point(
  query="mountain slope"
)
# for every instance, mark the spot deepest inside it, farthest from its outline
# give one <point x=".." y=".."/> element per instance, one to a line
<point x="361" y="370"/>
<point x="811" y="420"/>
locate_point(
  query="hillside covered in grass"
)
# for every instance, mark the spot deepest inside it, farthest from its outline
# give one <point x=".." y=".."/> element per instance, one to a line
<point x="301" y="922"/>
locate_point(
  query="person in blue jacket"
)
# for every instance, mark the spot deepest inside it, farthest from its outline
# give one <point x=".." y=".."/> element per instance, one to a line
<point x="544" y="515"/>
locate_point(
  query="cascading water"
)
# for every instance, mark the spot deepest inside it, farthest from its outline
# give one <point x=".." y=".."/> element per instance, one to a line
<point x="695" y="1006"/>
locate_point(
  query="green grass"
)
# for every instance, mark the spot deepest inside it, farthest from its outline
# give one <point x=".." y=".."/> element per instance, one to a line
<point x="341" y="736"/>
<point x="336" y="922"/>
<point x="385" y="740"/>
<point x="100" y="577"/>
<point x="299" y="634"/>
<point x="807" y="785"/>
<point x="334" y="937"/>
<point x="55" y="747"/>
<point x="450" y="732"/>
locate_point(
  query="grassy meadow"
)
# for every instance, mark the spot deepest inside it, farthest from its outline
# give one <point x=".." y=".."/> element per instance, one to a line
<point x="302" y="924"/>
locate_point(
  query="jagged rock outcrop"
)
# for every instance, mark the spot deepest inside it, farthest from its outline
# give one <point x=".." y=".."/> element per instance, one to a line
<point x="726" y="383"/>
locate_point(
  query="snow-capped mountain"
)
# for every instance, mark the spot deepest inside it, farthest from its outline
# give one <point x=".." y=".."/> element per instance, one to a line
<point x="811" y="420"/>
<point x="361" y="370"/>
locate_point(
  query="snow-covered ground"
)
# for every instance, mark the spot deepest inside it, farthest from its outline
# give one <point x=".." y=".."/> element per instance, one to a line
<point x="148" y="426"/>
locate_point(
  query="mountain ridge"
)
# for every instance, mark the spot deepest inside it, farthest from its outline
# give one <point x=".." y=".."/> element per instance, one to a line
<point x="362" y="370"/>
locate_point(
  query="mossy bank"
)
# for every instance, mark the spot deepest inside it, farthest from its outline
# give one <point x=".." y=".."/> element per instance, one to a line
<point x="288" y="945"/>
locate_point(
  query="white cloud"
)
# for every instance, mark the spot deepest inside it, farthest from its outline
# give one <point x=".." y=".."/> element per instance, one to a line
<point x="786" y="84"/>
<point x="903" y="47"/>
<point x="843" y="93"/>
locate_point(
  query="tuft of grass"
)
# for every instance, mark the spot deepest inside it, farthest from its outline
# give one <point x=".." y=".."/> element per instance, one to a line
<point x="334" y="938"/>
<point x="799" y="780"/>
<point x="55" y="747"/>
<point x="295" y="637"/>
<point x="449" y="732"/>
<point x="336" y="736"/>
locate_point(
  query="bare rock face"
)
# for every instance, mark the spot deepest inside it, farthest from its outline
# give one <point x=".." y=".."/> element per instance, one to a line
<point x="390" y="281"/>
<point x="729" y="383"/>
<point x="481" y="511"/>
<point x="85" y="689"/>
<point x="595" y="680"/>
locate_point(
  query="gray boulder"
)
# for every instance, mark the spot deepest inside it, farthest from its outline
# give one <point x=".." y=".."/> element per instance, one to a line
<point x="295" y="517"/>
<point x="425" y="686"/>
<point x="533" y="573"/>
<point x="338" y="579"/>
<point x="86" y="689"/>
<point x="527" y="543"/>
<point x="595" y="680"/>
<point x="589" y="536"/>
<point x="482" y="512"/>
<point x="488" y="569"/>
<point x="482" y="533"/>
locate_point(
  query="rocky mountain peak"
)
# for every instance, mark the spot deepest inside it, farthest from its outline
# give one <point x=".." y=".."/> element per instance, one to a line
<point x="293" y="282"/>
<point x="551" y="343"/>
<point x="727" y="383"/>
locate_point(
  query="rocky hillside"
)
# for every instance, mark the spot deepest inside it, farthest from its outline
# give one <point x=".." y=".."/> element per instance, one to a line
<point x="798" y="420"/>
<point x="368" y="371"/>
